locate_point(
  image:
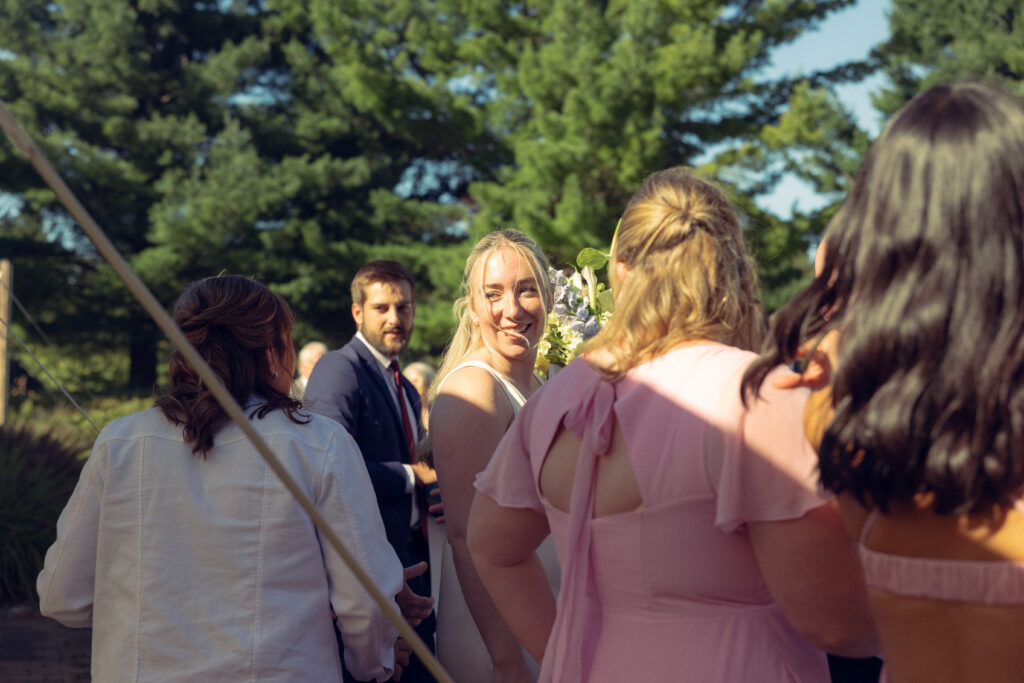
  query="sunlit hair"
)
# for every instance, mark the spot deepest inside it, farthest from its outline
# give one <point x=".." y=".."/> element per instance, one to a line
<point x="467" y="335"/>
<point x="231" y="321"/>
<point x="373" y="272"/>
<point x="312" y="351"/>
<point x="309" y="355"/>
<point x="924" y="277"/>
<point x="691" y="275"/>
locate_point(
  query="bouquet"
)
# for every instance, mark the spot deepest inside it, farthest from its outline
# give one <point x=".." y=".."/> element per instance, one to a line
<point x="582" y="305"/>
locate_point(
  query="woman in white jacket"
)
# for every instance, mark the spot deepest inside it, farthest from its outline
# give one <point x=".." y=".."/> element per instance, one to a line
<point x="183" y="550"/>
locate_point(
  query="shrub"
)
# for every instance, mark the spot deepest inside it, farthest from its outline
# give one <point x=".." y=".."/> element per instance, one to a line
<point x="52" y="414"/>
<point x="37" y="474"/>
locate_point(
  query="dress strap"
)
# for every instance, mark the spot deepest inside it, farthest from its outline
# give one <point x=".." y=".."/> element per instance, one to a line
<point x="868" y="524"/>
<point x="578" y="620"/>
<point x="515" y="397"/>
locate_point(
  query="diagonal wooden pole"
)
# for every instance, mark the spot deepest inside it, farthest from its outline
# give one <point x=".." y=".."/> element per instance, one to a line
<point x="156" y="311"/>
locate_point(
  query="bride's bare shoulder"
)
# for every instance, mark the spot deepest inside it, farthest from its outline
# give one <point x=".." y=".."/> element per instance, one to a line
<point x="468" y="390"/>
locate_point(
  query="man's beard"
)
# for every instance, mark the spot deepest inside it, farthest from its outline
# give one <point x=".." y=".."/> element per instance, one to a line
<point x="386" y="347"/>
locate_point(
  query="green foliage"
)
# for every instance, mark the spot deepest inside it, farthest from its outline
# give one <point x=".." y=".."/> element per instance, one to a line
<point x="37" y="475"/>
<point x="592" y="97"/>
<point x="937" y="42"/>
<point x="592" y="258"/>
<point x="53" y="415"/>
<point x="85" y="374"/>
<point x="94" y="377"/>
<point x="295" y="140"/>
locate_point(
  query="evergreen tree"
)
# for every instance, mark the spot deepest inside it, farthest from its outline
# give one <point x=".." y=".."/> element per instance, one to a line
<point x="936" y="42"/>
<point x="297" y="139"/>
<point x="591" y="97"/>
<point x="135" y="104"/>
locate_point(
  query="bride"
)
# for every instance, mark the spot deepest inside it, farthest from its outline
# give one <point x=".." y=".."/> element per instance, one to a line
<point x="485" y="377"/>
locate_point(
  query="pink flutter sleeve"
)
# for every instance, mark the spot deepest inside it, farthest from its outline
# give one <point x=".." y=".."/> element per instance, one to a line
<point x="769" y="471"/>
<point x="509" y="477"/>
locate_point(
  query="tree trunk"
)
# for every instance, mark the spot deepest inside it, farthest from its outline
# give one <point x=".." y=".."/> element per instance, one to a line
<point x="142" y="354"/>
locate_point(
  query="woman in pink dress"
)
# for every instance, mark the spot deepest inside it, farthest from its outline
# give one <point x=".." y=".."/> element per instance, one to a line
<point x="918" y="320"/>
<point x="693" y="541"/>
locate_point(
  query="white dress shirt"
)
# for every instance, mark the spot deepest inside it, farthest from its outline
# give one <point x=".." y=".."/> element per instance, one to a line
<point x="207" y="569"/>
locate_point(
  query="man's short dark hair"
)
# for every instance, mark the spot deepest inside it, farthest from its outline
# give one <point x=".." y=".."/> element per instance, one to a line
<point x="380" y="271"/>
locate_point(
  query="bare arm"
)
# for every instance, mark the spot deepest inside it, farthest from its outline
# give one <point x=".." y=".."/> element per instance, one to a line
<point x="503" y="542"/>
<point x="811" y="567"/>
<point x="467" y="420"/>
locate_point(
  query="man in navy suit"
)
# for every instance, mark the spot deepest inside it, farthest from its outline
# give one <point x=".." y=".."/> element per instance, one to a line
<point x="360" y="386"/>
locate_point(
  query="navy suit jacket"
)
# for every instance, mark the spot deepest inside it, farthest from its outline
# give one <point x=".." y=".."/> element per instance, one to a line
<point x="347" y="386"/>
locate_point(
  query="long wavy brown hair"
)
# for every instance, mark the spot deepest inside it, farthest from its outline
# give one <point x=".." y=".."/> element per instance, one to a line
<point x="231" y="320"/>
<point x="924" y="279"/>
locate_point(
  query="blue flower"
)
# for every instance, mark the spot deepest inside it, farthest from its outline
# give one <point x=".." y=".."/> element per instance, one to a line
<point x="590" y="328"/>
<point x="576" y="326"/>
<point x="582" y="313"/>
<point x="560" y="309"/>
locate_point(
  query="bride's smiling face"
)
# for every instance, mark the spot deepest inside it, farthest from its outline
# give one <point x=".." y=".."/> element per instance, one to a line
<point x="507" y="305"/>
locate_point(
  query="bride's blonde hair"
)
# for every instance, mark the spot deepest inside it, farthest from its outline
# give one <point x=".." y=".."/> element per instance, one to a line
<point x="691" y="274"/>
<point x="467" y="335"/>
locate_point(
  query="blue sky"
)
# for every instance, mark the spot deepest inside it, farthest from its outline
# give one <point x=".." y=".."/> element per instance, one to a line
<point x="846" y="35"/>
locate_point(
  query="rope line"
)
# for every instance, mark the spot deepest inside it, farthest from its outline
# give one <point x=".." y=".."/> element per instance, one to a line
<point x="210" y="378"/>
<point x="25" y="313"/>
<point x="31" y="320"/>
<point x="11" y="331"/>
<point x="46" y="339"/>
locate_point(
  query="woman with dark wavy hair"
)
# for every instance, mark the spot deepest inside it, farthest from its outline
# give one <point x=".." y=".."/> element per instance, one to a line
<point x="916" y="340"/>
<point x="185" y="553"/>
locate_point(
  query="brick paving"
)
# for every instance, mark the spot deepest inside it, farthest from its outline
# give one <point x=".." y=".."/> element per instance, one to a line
<point x="34" y="649"/>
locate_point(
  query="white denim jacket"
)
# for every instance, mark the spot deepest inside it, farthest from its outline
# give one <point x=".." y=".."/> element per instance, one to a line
<point x="206" y="569"/>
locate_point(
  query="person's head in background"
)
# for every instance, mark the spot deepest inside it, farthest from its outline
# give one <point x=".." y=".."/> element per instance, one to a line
<point x="309" y="354"/>
<point x="923" y="277"/>
<point x="680" y="270"/>
<point x="384" y="306"/>
<point x="244" y="332"/>
<point x="421" y="375"/>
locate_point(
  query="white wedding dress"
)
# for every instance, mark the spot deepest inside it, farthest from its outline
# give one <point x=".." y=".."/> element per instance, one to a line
<point x="460" y="649"/>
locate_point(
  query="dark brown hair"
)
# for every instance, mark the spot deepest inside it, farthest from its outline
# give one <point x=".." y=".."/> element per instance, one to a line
<point x="231" y="320"/>
<point x="924" y="278"/>
<point x="380" y="271"/>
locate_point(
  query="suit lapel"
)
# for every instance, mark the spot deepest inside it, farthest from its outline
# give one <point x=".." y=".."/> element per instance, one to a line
<point x="372" y="368"/>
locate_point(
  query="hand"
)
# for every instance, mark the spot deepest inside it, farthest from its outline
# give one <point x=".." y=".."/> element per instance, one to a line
<point x="415" y="608"/>
<point x="402" y="652"/>
<point x="424" y="473"/>
<point x="818" y="358"/>
<point x="434" y="502"/>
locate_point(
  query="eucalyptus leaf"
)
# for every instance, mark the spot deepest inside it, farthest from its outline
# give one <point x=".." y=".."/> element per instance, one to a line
<point x="592" y="258"/>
